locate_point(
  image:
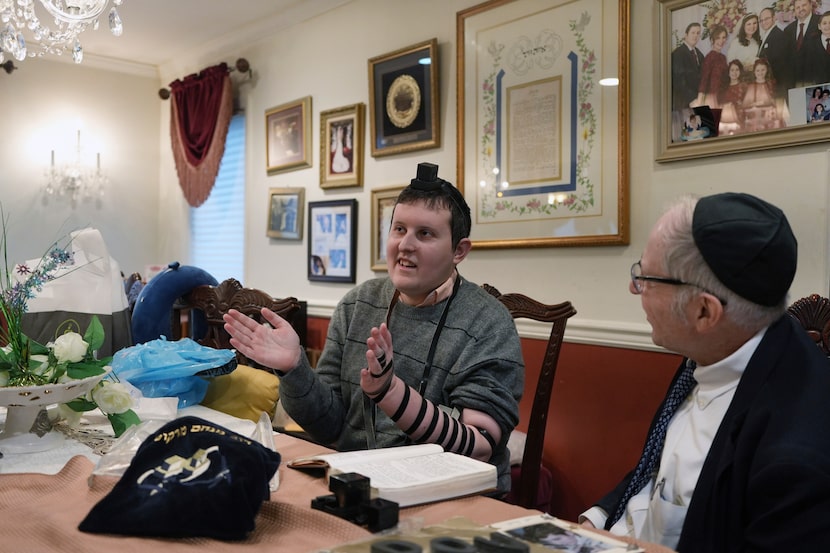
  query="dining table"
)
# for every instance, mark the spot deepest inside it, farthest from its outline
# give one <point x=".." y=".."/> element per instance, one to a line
<point x="45" y="495"/>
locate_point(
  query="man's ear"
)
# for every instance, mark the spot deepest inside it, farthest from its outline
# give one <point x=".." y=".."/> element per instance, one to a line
<point x="708" y="311"/>
<point x="461" y="250"/>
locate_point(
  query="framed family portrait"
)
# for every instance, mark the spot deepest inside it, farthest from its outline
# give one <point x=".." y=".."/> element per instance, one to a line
<point x="403" y="99"/>
<point x="285" y="213"/>
<point x="288" y="136"/>
<point x="341" y="147"/>
<point x="383" y="203"/>
<point x="738" y="75"/>
<point x="542" y="112"/>
<point x="332" y="240"/>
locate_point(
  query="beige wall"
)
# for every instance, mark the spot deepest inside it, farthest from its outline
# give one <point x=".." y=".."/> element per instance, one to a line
<point x="44" y="103"/>
<point x="326" y="58"/>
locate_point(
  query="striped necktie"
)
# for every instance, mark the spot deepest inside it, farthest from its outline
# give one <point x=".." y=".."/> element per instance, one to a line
<point x="650" y="460"/>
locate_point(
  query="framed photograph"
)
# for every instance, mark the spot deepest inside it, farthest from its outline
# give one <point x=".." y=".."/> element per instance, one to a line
<point x="543" y="122"/>
<point x="341" y="147"/>
<point x="288" y="136"/>
<point x="332" y="240"/>
<point x="383" y="202"/>
<point x="734" y="77"/>
<point x="403" y="100"/>
<point x="285" y="213"/>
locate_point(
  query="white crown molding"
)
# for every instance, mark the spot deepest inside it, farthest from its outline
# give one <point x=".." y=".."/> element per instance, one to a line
<point x="243" y="37"/>
<point x="119" y="66"/>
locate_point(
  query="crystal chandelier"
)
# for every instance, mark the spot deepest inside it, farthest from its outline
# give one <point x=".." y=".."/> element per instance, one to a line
<point x="70" y="18"/>
<point x="75" y="180"/>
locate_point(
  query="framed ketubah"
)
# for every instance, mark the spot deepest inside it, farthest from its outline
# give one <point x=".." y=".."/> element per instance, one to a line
<point x="542" y="141"/>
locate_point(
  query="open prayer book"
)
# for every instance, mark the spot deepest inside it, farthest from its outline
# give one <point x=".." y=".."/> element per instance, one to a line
<point x="409" y="475"/>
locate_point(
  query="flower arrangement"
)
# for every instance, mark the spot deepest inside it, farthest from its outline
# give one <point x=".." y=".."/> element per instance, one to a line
<point x="723" y="12"/>
<point x="25" y="362"/>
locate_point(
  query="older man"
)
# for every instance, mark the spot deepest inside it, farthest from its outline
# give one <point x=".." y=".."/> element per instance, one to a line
<point x="738" y="456"/>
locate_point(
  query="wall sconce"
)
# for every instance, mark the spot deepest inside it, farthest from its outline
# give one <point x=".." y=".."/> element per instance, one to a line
<point x="76" y="180"/>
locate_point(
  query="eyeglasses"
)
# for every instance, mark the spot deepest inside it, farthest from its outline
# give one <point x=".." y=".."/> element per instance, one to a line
<point x="637" y="279"/>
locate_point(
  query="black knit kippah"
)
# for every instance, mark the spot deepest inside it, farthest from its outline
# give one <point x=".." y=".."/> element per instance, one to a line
<point x="748" y="244"/>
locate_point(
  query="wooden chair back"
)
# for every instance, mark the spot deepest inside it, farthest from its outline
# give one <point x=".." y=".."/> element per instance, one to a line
<point x="215" y="301"/>
<point x="813" y="313"/>
<point x="520" y="306"/>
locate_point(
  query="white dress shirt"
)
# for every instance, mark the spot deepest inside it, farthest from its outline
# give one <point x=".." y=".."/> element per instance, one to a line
<point x="656" y="514"/>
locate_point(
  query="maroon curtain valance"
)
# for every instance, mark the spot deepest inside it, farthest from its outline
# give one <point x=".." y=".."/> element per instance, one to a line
<point x="200" y="114"/>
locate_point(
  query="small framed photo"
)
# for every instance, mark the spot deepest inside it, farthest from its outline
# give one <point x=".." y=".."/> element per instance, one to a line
<point x="285" y="213"/>
<point x="332" y="244"/>
<point x="383" y="202"/>
<point x="403" y="99"/>
<point x="341" y="147"/>
<point x="288" y="136"/>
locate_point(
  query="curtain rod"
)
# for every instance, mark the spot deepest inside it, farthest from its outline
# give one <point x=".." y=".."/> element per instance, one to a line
<point x="241" y="65"/>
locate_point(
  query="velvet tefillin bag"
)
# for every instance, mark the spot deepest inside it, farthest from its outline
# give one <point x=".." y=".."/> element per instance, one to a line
<point x="191" y="478"/>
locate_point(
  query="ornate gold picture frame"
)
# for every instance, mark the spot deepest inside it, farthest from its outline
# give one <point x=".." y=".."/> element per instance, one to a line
<point x="383" y="202"/>
<point x="750" y="122"/>
<point x="403" y="100"/>
<point x="285" y="213"/>
<point x="341" y="147"/>
<point x="288" y="136"/>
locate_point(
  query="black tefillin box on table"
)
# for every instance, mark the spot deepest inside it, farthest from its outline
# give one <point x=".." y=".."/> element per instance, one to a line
<point x="351" y="501"/>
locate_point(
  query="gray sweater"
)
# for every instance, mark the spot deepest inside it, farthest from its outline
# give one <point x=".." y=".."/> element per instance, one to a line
<point x="477" y="365"/>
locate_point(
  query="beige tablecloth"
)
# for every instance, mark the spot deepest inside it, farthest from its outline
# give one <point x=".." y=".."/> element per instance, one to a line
<point x="40" y="512"/>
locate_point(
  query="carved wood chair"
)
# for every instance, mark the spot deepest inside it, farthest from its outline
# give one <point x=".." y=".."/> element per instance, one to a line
<point x="526" y="480"/>
<point x="813" y="312"/>
<point x="215" y="301"/>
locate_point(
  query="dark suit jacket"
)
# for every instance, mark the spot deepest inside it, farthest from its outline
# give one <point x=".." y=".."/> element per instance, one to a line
<point x="774" y="49"/>
<point x="685" y="76"/>
<point x="800" y="66"/>
<point x="765" y="484"/>
<point x="818" y="60"/>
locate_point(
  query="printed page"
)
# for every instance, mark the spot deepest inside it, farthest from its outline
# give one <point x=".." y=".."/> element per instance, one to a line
<point x="340" y="459"/>
<point x="409" y="471"/>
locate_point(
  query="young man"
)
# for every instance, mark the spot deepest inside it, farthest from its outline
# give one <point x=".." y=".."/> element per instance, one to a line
<point x="455" y="374"/>
<point x="742" y="461"/>
<point x="774" y="49"/>
<point x="686" y="60"/>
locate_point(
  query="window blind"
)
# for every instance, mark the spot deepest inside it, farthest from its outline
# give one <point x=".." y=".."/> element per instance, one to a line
<point x="217" y="227"/>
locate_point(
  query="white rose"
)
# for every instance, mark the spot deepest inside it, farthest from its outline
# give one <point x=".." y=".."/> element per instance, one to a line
<point x="69" y="347"/>
<point x="112" y="398"/>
